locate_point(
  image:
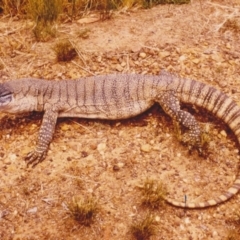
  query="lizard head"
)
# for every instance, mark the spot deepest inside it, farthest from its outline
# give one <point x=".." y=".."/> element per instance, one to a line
<point x="14" y="97"/>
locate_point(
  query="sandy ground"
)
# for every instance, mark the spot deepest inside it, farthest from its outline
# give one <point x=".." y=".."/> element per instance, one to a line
<point x="109" y="160"/>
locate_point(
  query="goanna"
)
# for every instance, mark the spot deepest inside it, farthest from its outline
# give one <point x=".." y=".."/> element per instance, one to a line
<point x="119" y="97"/>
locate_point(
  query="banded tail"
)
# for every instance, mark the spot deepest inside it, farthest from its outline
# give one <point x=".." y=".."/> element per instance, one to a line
<point x="220" y="105"/>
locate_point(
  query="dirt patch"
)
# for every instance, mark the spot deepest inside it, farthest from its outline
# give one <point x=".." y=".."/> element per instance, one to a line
<point x="195" y="41"/>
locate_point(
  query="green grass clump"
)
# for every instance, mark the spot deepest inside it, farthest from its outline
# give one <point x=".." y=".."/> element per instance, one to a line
<point x="83" y="210"/>
<point x="44" y="13"/>
<point x="153" y="193"/>
<point x="65" y="51"/>
<point x="144" y="229"/>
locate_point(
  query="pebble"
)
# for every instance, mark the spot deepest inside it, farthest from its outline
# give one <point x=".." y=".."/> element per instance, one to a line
<point x="32" y="210"/>
<point x="223" y="133"/>
<point x="146" y="148"/>
<point x="119" y="68"/>
<point x="164" y="54"/>
<point x="101" y="147"/>
<point x="142" y="54"/>
<point x="196" y="61"/>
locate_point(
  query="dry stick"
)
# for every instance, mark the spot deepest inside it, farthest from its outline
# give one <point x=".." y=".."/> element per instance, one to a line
<point x="86" y="70"/>
<point x="78" y="52"/>
<point x="152" y="48"/>
<point x="82" y="126"/>
<point x="229" y="17"/>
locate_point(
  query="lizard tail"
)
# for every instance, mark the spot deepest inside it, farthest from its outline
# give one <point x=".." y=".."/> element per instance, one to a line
<point x="209" y="203"/>
<point x="221" y="106"/>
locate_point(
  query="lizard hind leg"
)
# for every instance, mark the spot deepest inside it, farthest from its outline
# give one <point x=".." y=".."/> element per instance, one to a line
<point x="182" y="120"/>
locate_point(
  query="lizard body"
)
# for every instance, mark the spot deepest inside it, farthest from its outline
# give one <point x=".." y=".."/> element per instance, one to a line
<point x="119" y="97"/>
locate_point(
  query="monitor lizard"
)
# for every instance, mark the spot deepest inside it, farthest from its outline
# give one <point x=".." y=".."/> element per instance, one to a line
<point x="120" y="96"/>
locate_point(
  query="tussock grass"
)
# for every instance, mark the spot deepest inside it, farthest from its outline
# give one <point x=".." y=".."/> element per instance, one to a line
<point x="65" y="51"/>
<point x="76" y="7"/>
<point x="44" y="13"/>
<point x="83" y="210"/>
<point x="153" y="193"/>
<point x="144" y="229"/>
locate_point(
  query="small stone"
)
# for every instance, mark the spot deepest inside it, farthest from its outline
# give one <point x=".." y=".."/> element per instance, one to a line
<point x="84" y="154"/>
<point x="116" y="168"/>
<point x="164" y="54"/>
<point x="146" y="148"/>
<point x="223" y="133"/>
<point x="123" y="64"/>
<point x="187" y="220"/>
<point x="32" y="210"/>
<point x="142" y="54"/>
<point x="120" y="164"/>
<point x="119" y="68"/>
<point x="12" y="157"/>
<point x="99" y="58"/>
<point x="101" y="147"/>
<point x="228" y="46"/>
<point x="196" y="61"/>
<point x="65" y="127"/>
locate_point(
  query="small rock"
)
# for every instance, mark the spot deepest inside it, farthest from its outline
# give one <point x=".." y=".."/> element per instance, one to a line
<point x="187" y="220"/>
<point x="142" y="54"/>
<point x="101" y="147"/>
<point x="196" y="61"/>
<point x="84" y="154"/>
<point x="223" y="133"/>
<point x="65" y="127"/>
<point x="146" y="148"/>
<point x="215" y="234"/>
<point x="119" y="68"/>
<point x="116" y="168"/>
<point x="32" y="210"/>
<point x="12" y="157"/>
<point x="164" y="54"/>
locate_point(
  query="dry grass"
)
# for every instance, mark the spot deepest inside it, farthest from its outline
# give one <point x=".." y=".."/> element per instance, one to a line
<point x="65" y="51"/>
<point x="144" y="229"/>
<point x="78" y="7"/>
<point x="44" y="13"/>
<point x="153" y="193"/>
<point x="83" y="210"/>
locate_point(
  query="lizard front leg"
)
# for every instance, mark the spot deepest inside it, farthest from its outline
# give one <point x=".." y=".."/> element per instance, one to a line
<point x="44" y="138"/>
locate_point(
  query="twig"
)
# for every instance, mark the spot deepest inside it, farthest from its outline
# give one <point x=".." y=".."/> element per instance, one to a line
<point x="83" y="68"/>
<point x="82" y="126"/>
<point x="78" y="52"/>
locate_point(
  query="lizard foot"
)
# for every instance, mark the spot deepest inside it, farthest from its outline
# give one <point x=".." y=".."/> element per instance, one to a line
<point x="35" y="157"/>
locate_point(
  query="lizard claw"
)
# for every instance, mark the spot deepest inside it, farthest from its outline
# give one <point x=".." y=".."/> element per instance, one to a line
<point x="35" y="157"/>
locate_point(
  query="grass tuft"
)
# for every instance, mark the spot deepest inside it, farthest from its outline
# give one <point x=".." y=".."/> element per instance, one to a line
<point x="153" y="193"/>
<point x="44" y="13"/>
<point x="144" y="229"/>
<point x="65" y="51"/>
<point x="83" y="210"/>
